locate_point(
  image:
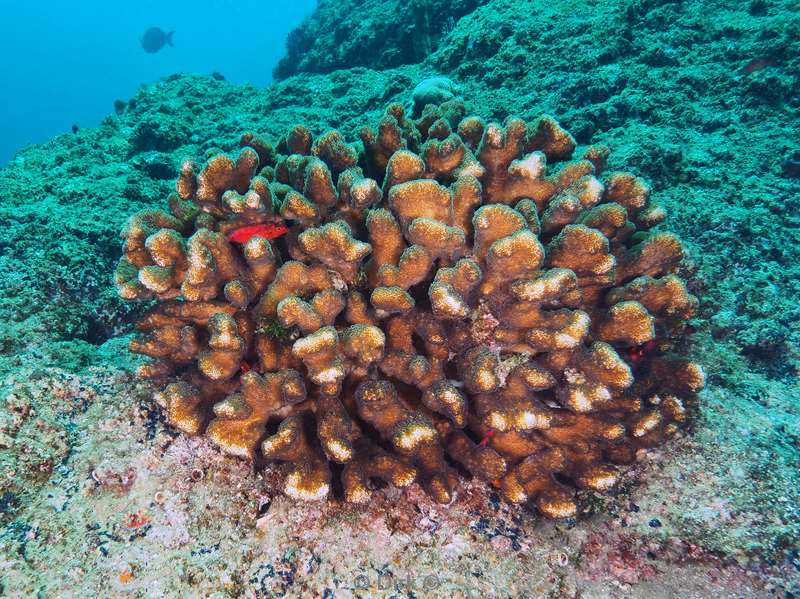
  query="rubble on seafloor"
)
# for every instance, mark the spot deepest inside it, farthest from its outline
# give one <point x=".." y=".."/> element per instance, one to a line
<point x="138" y="510"/>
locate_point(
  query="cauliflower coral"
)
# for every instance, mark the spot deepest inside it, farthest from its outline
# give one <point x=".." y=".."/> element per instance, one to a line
<point x="446" y="298"/>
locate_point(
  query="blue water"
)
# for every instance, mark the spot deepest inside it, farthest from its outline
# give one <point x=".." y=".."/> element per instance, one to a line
<point x="64" y="63"/>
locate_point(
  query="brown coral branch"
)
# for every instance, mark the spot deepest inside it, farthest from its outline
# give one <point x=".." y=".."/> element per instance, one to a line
<point x="442" y="292"/>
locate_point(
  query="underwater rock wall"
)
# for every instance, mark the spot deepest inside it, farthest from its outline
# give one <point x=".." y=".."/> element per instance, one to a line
<point x="378" y="34"/>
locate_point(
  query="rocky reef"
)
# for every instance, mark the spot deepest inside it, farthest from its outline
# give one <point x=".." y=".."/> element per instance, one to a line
<point x="100" y="496"/>
<point x="394" y="33"/>
<point x="473" y="304"/>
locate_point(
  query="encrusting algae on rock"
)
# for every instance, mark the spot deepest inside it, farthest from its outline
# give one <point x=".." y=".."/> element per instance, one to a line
<point x="449" y="296"/>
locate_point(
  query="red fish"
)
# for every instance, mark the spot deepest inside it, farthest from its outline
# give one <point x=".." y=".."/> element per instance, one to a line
<point x="267" y="230"/>
<point x="757" y="64"/>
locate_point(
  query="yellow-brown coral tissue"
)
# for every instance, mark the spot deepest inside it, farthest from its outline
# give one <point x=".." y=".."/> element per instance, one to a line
<point x="447" y="298"/>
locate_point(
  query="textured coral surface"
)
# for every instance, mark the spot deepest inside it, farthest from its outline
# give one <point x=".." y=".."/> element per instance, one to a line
<point x="456" y="294"/>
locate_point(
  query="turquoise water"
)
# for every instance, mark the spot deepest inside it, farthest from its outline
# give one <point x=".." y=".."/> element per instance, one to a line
<point x="65" y="63"/>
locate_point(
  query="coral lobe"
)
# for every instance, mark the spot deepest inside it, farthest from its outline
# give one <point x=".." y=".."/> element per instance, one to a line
<point x="451" y="296"/>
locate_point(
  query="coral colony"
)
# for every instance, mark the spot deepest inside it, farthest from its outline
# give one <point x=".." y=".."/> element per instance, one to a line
<point x="447" y="297"/>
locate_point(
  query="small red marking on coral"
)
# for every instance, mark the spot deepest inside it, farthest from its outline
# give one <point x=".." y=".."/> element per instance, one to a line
<point x="638" y="353"/>
<point x="267" y="230"/>
<point x="244" y="368"/>
<point x="485" y="441"/>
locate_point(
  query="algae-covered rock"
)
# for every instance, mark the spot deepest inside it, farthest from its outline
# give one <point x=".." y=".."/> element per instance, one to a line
<point x="372" y="33"/>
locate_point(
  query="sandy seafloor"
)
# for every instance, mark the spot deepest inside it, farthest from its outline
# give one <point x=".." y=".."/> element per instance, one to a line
<point x="99" y="498"/>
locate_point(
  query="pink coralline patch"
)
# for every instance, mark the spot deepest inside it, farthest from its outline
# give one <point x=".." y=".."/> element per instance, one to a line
<point x="136" y="520"/>
<point x="108" y="477"/>
<point x="622" y="558"/>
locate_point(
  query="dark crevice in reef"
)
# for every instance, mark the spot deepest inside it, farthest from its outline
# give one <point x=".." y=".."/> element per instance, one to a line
<point x="95" y="332"/>
<point x="161" y="136"/>
<point x="771" y="361"/>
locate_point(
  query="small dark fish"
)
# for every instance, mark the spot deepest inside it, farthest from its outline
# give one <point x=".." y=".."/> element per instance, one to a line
<point x="75" y="128"/>
<point x="155" y="38"/>
<point x="757" y="64"/>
